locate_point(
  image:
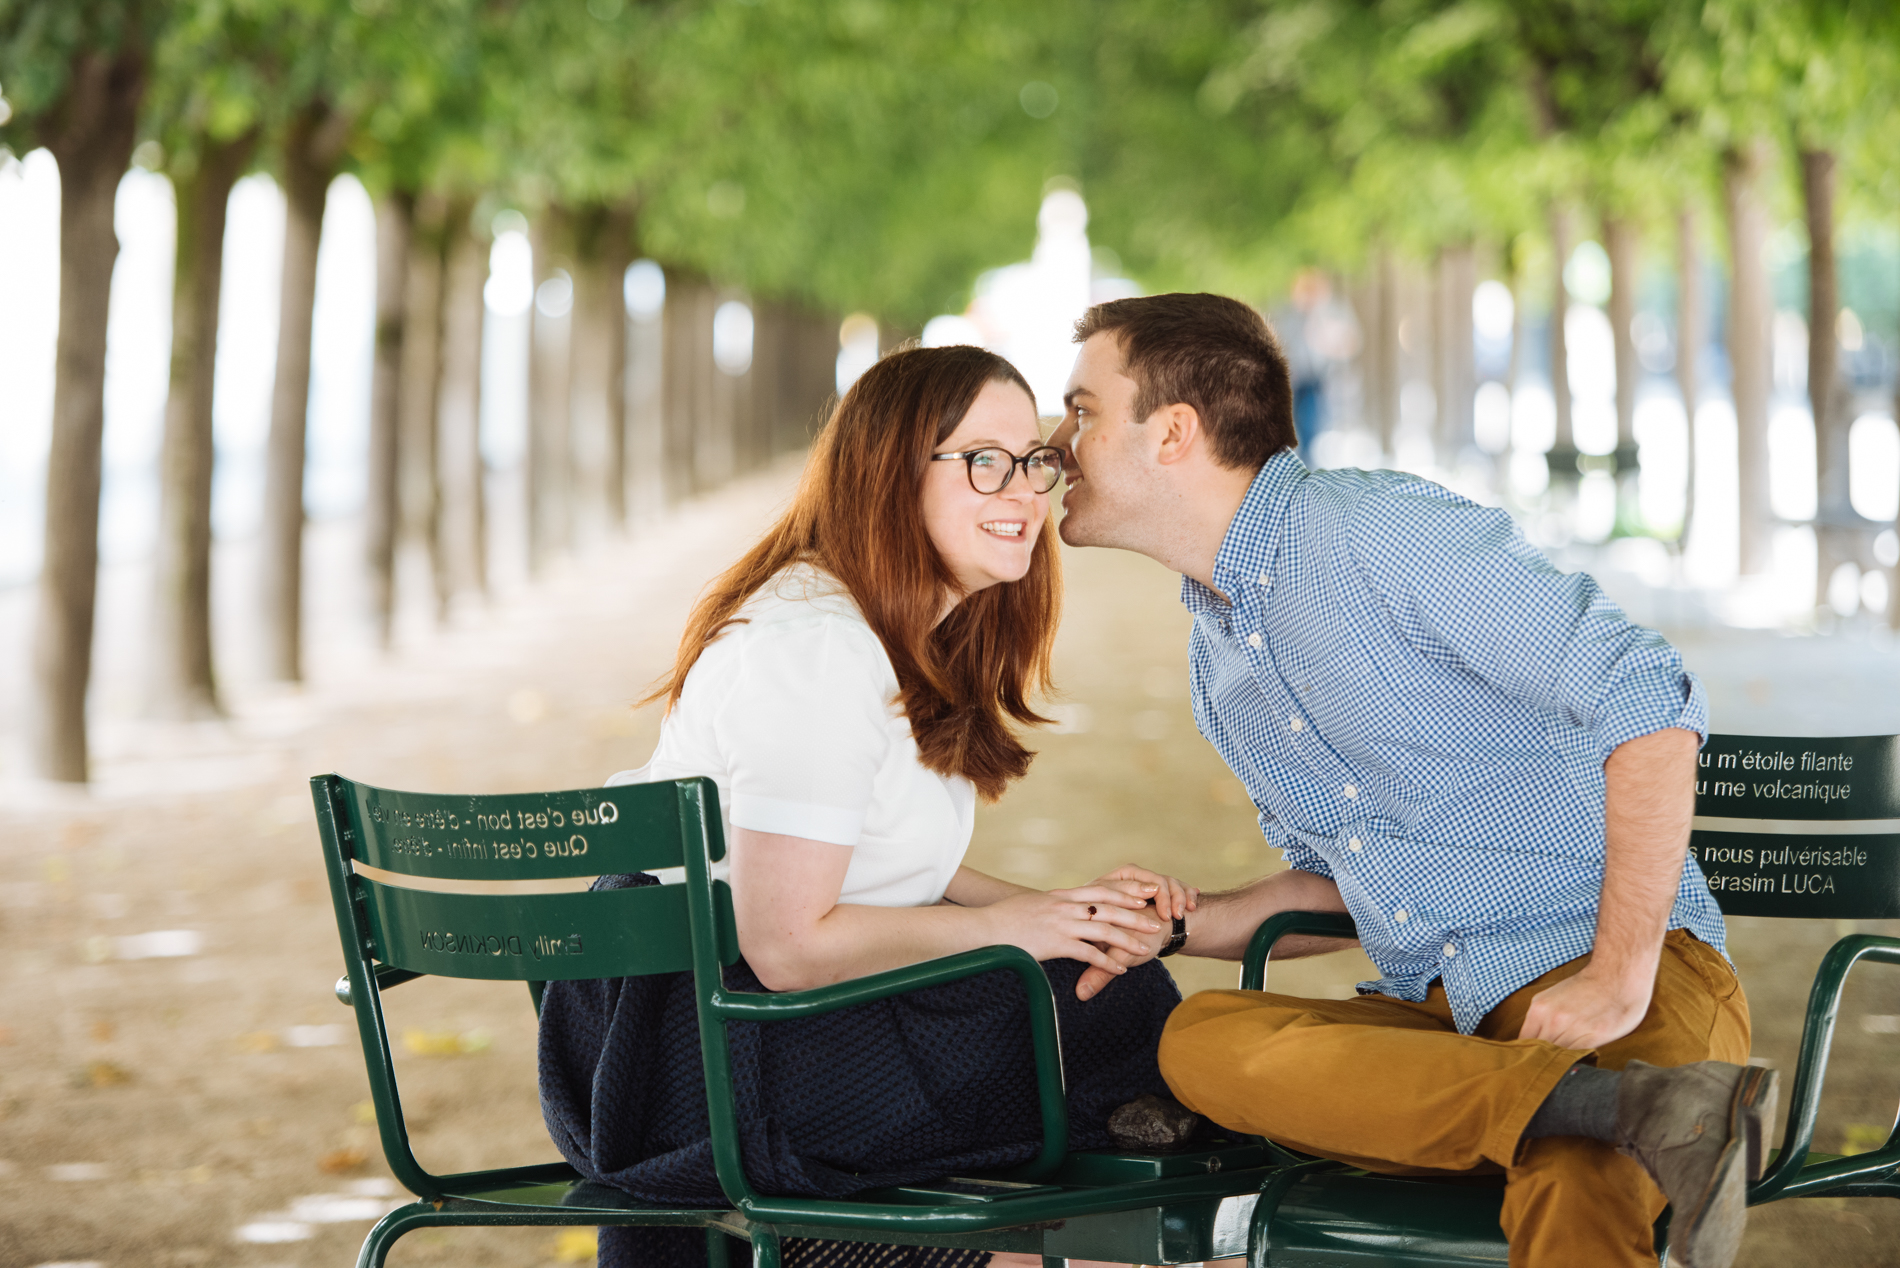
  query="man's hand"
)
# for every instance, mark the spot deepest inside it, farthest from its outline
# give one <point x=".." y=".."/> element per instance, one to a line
<point x="1586" y="1011"/>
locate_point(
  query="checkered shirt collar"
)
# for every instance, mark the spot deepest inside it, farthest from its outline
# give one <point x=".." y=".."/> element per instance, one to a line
<point x="1253" y="537"/>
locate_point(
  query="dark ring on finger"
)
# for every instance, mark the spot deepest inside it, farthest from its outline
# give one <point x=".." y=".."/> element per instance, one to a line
<point x="1091" y="911"/>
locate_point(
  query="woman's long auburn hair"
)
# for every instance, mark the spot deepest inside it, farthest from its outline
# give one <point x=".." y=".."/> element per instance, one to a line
<point x="858" y="514"/>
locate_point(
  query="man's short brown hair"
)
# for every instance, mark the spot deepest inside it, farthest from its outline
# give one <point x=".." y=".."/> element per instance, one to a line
<point x="1211" y="352"/>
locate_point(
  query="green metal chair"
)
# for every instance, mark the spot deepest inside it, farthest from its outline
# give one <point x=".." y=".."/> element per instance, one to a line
<point x="1791" y="828"/>
<point x="390" y="855"/>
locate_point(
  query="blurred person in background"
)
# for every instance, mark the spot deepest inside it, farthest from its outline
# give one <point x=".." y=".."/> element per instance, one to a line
<point x="1317" y="336"/>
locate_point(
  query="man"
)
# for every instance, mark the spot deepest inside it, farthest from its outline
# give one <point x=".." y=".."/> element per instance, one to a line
<point x="1478" y="758"/>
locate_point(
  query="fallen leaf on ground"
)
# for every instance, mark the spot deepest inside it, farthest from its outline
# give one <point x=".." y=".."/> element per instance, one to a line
<point x="444" y="1043"/>
<point x="338" y="1161"/>
<point x="102" y="1031"/>
<point x="258" y="1041"/>
<point x="364" y="1112"/>
<point x="1862" y="1138"/>
<point x="103" y="1074"/>
<point x="575" y="1245"/>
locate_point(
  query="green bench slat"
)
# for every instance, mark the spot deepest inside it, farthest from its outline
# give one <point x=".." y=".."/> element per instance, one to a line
<point x="542" y="937"/>
<point x="517" y="836"/>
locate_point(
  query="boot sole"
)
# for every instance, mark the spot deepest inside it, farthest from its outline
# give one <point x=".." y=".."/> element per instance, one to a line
<point x="1712" y="1234"/>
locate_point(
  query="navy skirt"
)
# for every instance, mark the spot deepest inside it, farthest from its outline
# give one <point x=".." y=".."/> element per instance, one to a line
<point x="937" y="1082"/>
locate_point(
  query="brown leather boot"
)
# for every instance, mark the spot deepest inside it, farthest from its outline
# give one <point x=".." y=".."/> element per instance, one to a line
<point x="1701" y="1131"/>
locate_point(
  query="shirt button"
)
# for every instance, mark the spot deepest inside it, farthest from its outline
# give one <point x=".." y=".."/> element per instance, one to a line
<point x="1253" y="640"/>
<point x="1296" y="723"/>
<point x="1450" y="950"/>
<point x="1351" y="790"/>
<point x="1265" y="580"/>
<point x="1354" y="845"/>
<point x="1401" y="915"/>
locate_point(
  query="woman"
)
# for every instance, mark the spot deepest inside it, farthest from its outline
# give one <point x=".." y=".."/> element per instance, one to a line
<point x="850" y="685"/>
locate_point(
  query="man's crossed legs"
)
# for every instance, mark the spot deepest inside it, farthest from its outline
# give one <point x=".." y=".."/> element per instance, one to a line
<point x="1392" y="1087"/>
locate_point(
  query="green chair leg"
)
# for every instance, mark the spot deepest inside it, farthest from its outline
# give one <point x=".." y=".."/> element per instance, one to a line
<point x="1259" y="1229"/>
<point x="404" y="1219"/>
<point x="764" y="1248"/>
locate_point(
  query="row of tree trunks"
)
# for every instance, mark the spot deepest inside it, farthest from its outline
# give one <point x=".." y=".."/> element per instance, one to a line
<point x="182" y="682"/>
<point x="91" y="140"/>
<point x="313" y="148"/>
<point x="1749" y="345"/>
<point x="461" y="516"/>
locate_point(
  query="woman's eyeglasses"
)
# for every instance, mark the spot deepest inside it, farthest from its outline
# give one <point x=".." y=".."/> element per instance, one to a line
<point x="991" y="469"/>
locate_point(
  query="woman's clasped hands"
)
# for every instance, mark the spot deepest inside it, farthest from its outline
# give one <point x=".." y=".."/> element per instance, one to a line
<point x="1130" y="911"/>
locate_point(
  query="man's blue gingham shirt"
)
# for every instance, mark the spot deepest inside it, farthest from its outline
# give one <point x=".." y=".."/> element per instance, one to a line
<point x="1420" y="707"/>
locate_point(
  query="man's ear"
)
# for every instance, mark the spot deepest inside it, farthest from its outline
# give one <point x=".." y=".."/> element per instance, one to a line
<point x="1177" y="432"/>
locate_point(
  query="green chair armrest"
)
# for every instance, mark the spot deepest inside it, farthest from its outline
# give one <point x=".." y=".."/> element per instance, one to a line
<point x="1044" y="1035"/>
<point x="386" y="976"/>
<point x="1789" y="1176"/>
<point x="1318" y="924"/>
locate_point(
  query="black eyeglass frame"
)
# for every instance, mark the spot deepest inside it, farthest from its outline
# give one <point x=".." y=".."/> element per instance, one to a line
<point x="969" y="457"/>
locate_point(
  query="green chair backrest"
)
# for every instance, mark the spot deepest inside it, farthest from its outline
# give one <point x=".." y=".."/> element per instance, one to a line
<point x="1806" y="828"/>
<point x="399" y="847"/>
<point x="396" y="861"/>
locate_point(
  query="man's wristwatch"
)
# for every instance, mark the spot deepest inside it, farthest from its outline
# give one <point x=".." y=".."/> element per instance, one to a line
<point x="1176" y="940"/>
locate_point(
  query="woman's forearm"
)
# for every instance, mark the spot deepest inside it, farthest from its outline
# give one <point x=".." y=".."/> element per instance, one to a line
<point x="853" y="941"/>
<point x="795" y="933"/>
<point x="971" y="888"/>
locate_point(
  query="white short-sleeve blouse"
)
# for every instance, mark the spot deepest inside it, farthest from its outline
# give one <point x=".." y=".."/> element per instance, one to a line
<point x="794" y="715"/>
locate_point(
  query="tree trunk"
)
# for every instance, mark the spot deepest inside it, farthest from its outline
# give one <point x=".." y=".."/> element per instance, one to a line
<point x="597" y="365"/>
<point x="1619" y="243"/>
<point x="1382" y="353"/>
<point x="1838" y="534"/>
<point x="712" y="413"/>
<point x="91" y="140"/>
<point x="1563" y="452"/>
<point x="1513" y="368"/>
<point x="183" y="683"/>
<point x="418" y="490"/>
<point x="646" y="417"/>
<point x="1748" y="345"/>
<point x="765" y="389"/>
<point x="679" y="395"/>
<point x="1454" y="351"/>
<point x="1691" y="331"/>
<point x="313" y="145"/>
<point x="550" y="373"/>
<point x="395" y="222"/>
<point x="461" y="528"/>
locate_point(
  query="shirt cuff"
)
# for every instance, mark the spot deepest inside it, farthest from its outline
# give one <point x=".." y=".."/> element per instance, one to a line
<point x="797" y="819"/>
<point x="1652" y="702"/>
<point x="1302" y="858"/>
